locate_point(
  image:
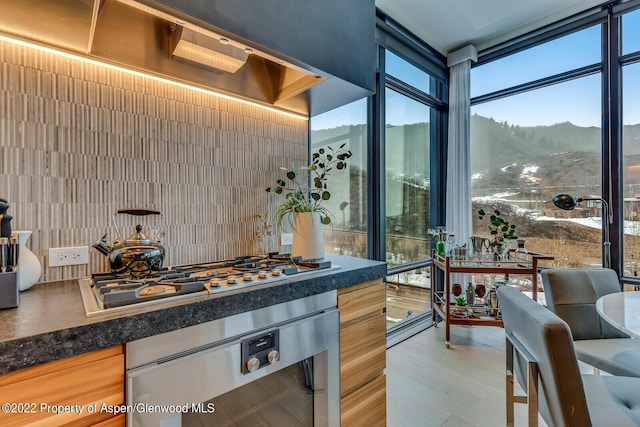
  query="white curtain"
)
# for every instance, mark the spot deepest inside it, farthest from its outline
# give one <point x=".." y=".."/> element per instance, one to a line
<point x="458" y="205"/>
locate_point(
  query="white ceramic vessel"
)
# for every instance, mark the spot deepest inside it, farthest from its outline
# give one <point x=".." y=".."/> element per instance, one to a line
<point x="29" y="268"/>
<point x="308" y="241"/>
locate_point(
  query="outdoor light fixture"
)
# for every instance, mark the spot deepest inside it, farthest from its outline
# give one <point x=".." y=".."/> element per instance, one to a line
<point x="569" y="203"/>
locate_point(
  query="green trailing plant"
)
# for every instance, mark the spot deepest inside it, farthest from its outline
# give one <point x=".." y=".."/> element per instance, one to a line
<point x="306" y="190"/>
<point x="499" y="228"/>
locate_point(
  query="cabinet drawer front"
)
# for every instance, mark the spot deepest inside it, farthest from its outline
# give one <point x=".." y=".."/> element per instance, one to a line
<point x="117" y="421"/>
<point x="60" y="365"/>
<point x="85" y="384"/>
<point x="367" y="406"/>
<point x="362" y="302"/>
<point x="362" y="352"/>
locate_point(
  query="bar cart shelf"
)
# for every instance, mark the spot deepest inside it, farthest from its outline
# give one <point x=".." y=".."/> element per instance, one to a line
<point x="441" y="300"/>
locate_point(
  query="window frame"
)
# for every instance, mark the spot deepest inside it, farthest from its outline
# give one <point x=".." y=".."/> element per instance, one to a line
<point x="609" y="17"/>
<point x="392" y="37"/>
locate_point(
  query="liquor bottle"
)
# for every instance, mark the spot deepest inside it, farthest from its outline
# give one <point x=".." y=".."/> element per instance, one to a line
<point x="470" y="297"/>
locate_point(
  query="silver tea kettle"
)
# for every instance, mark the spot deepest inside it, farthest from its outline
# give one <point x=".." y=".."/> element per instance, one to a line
<point x="137" y="256"/>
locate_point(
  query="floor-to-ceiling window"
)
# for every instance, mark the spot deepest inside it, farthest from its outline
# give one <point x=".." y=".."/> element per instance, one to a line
<point x="407" y="204"/>
<point x="536" y="131"/>
<point x="392" y="192"/>
<point x="412" y="112"/>
<point x="407" y="178"/>
<point x="631" y="141"/>
<point x="346" y="127"/>
<point x="556" y="111"/>
<point x="544" y="120"/>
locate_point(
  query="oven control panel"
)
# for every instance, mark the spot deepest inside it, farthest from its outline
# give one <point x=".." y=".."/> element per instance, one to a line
<point x="261" y="350"/>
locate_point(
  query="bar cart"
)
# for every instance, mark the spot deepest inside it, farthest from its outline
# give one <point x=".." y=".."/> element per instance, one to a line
<point x="441" y="300"/>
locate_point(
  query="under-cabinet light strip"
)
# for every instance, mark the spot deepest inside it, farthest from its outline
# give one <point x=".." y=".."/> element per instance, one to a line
<point x="147" y="76"/>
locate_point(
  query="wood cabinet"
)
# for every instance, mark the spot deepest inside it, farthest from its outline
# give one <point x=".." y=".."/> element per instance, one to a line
<point x="441" y="299"/>
<point x="75" y="388"/>
<point x="363" y="354"/>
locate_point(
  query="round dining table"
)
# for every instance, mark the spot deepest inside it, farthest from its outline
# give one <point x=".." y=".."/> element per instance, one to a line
<point x="621" y="310"/>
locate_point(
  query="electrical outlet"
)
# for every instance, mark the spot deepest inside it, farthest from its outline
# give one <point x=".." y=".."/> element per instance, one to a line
<point x="286" y="239"/>
<point x="77" y="255"/>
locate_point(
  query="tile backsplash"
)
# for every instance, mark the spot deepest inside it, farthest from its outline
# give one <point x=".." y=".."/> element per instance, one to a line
<point x="79" y="141"/>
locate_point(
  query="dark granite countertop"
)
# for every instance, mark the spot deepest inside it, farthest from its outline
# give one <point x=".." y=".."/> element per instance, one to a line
<point x="50" y="322"/>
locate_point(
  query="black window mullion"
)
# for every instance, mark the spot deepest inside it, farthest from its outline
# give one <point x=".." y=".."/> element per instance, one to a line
<point x="540" y="83"/>
<point x="413" y="93"/>
<point x="393" y="37"/>
<point x="613" y="162"/>
<point x="550" y="32"/>
<point x="376" y="167"/>
<point x="623" y="7"/>
<point x="630" y="58"/>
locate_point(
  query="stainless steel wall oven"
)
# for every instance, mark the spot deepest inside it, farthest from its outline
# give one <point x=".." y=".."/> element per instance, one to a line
<point x="274" y="366"/>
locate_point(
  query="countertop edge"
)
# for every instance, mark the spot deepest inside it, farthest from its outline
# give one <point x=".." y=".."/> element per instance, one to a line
<point x="95" y="333"/>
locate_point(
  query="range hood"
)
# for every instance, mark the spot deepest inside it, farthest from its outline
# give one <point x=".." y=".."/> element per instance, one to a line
<point x="200" y="50"/>
<point x="151" y="37"/>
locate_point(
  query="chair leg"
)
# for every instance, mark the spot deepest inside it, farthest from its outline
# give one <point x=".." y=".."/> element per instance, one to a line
<point x="510" y="399"/>
<point x="510" y="390"/>
<point x="532" y="386"/>
<point x="531" y="398"/>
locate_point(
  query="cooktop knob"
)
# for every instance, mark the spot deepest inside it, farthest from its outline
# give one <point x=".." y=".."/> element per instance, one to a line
<point x="262" y="275"/>
<point x="275" y="272"/>
<point x="247" y="277"/>
<point x="253" y="364"/>
<point x="273" y="356"/>
<point x="232" y="280"/>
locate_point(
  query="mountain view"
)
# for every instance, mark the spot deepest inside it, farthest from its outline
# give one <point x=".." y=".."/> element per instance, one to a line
<point x="519" y="169"/>
<point x="549" y="159"/>
<point x="514" y="168"/>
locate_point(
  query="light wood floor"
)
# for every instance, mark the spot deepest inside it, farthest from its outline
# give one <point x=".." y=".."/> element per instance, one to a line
<point x="430" y="385"/>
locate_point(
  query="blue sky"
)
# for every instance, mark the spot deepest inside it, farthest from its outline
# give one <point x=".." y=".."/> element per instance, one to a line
<point x="577" y="101"/>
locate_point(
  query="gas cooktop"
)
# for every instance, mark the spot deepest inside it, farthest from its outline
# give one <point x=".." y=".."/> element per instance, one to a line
<point x="105" y="292"/>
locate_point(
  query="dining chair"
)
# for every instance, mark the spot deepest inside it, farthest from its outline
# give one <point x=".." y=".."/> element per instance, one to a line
<point x="572" y="295"/>
<point x="540" y="354"/>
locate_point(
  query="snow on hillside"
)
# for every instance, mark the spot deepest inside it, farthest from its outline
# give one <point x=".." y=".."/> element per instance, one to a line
<point x="630" y="227"/>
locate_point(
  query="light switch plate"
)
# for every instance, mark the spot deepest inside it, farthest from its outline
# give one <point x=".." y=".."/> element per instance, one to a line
<point x="286" y="239"/>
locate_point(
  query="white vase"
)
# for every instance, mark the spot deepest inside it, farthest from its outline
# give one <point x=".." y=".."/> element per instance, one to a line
<point x="308" y="241"/>
<point x="29" y="268"/>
